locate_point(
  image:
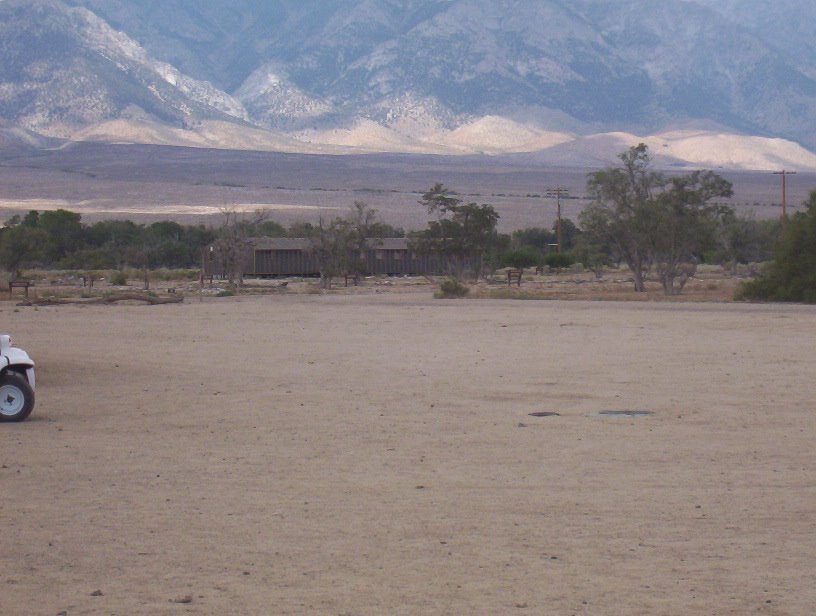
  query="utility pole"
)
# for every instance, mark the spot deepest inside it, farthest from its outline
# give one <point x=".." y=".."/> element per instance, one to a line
<point x="558" y="192"/>
<point x="784" y="174"/>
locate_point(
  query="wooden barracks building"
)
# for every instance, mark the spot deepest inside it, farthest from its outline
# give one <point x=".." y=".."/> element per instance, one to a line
<point x="268" y="257"/>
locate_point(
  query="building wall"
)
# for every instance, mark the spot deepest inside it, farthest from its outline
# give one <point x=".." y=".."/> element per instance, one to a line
<point x="285" y="262"/>
<point x="292" y="260"/>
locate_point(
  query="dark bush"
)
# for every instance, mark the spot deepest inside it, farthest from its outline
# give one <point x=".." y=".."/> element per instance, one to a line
<point x="450" y="288"/>
<point x="119" y="279"/>
<point x="526" y="256"/>
<point x="559" y="260"/>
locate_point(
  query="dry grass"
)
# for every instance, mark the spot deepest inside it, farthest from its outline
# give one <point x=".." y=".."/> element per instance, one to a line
<point x="712" y="285"/>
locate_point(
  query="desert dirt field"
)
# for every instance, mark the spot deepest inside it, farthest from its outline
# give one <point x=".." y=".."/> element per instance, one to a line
<point x="375" y="453"/>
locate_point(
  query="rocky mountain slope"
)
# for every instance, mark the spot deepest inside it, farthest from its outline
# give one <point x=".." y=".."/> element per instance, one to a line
<point x="446" y="76"/>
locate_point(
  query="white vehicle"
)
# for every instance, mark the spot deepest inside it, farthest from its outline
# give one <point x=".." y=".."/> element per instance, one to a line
<point x="16" y="382"/>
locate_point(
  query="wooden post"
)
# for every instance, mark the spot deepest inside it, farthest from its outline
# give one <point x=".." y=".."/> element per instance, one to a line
<point x="558" y="192"/>
<point x="784" y="173"/>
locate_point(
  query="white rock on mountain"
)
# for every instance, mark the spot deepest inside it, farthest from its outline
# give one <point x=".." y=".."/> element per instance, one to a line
<point x="276" y="102"/>
<point x="125" y="52"/>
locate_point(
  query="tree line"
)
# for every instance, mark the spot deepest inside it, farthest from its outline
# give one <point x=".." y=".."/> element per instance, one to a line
<point x="652" y="223"/>
<point x="639" y="218"/>
<point x="58" y="239"/>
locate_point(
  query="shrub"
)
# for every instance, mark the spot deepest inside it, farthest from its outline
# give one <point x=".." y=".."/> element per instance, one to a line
<point x="451" y="288"/>
<point x="526" y="256"/>
<point x="166" y="274"/>
<point x="118" y="279"/>
<point x="559" y="260"/>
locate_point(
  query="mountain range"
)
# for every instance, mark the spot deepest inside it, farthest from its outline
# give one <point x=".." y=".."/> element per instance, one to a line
<point x="715" y="82"/>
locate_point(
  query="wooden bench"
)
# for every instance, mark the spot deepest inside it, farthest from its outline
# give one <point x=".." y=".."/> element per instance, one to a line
<point x="514" y="275"/>
<point x="354" y="278"/>
<point x="20" y="283"/>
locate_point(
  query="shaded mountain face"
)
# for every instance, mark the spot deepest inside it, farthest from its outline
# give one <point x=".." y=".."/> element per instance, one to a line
<point x="703" y="66"/>
<point x="786" y="25"/>
<point x="583" y="65"/>
<point x="67" y="67"/>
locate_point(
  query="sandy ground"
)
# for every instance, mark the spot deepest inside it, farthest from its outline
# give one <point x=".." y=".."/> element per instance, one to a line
<point x="375" y="454"/>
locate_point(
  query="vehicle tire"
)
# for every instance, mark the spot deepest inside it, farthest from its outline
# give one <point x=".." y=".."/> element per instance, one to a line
<point x="16" y="397"/>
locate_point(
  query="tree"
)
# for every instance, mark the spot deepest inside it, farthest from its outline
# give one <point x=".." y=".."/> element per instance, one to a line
<point x="339" y="246"/>
<point x="525" y="256"/>
<point x="617" y="215"/>
<point x="570" y="234"/>
<point x="20" y="246"/>
<point x="59" y="239"/>
<point x="165" y="246"/>
<point x="32" y="219"/>
<point x="438" y="200"/>
<point x="742" y="239"/>
<point x="329" y="245"/>
<point x="65" y="233"/>
<point x="648" y="219"/>
<point x="791" y="276"/>
<point x="559" y="260"/>
<point x="232" y="241"/>
<point x="683" y="224"/>
<point x="363" y="234"/>
<point x="462" y="234"/>
<point x="114" y="238"/>
<point x="537" y="237"/>
<point x="270" y="228"/>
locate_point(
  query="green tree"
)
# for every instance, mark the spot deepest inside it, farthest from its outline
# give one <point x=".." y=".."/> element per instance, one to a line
<point x="648" y="219"/>
<point x="22" y="246"/>
<point x="742" y="239"/>
<point x="617" y="216"/>
<point x="383" y="229"/>
<point x="197" y="238"/>
<point x="791" y="276"/>
<point x="525" y="256"/>
<point x="62" y="240"/>
<point x="559" y="260"/>
<point x="537" y="237"/>
<point x="463" y="233"/>
<point x="570" y="234"/>
<point x="300" y="229"/>
<point x="165" y="245"/>
<point x="65" y="233"/>
<point x="113" y="238"/>
<point x="32" y="219"/>
<point x="438" y="200"/>
<point x="270" y="228"/>
<point x="683" y="224"/>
